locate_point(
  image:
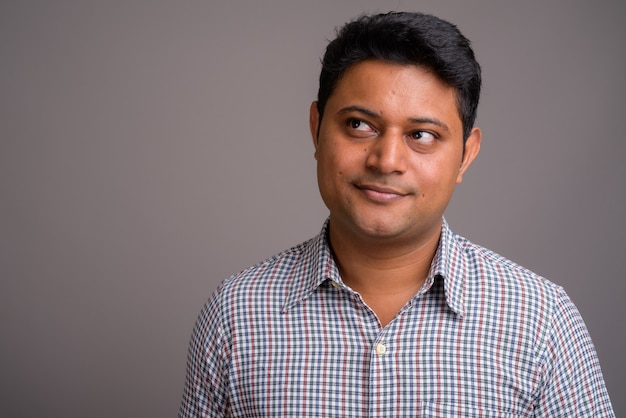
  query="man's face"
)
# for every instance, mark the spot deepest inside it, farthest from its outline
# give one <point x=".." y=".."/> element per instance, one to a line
<point x="389" y="151"/>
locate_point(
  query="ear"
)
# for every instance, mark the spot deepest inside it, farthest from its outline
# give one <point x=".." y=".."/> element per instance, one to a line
<point x="472" y="147"/>
<point x="314" y="119"/>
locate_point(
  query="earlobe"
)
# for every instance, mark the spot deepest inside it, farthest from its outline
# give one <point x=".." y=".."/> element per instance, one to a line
<point x="314" y="125"/>
<point x="472" y="147"/>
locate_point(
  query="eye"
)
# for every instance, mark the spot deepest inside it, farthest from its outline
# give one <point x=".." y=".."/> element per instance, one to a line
<point x="359" y="125"/>
<point x="423" y="137"/>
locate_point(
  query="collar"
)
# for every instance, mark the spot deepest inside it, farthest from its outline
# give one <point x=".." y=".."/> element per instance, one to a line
<point x="316" y="266"/>
<point x="450" y="265"/>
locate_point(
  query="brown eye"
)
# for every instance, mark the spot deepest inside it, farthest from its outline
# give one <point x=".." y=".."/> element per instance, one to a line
<point x="359" y="125"/>
<point x="423" y="137"/>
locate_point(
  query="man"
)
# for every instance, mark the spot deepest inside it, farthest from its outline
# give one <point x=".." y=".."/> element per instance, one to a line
<point x="387" y="312"/>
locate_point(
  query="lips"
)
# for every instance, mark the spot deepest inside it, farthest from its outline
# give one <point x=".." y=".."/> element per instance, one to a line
<point x="381" y="193"/>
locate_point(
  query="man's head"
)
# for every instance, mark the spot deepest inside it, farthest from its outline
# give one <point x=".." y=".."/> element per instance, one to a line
<point x="393" y="127"/>
<point x="406" y="38"/>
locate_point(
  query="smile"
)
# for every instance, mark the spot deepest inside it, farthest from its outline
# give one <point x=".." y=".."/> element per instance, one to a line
<point x="380" y="194"/>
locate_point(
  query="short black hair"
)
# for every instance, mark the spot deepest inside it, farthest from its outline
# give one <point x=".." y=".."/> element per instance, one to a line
<point x="406" y="38"/>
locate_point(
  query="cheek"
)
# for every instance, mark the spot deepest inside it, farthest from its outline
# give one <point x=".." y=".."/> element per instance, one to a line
<point x="336" y="166"/>
<point x="334" y="178"/>
<point x="436" y="177"/>
<point x="329" y="173"/>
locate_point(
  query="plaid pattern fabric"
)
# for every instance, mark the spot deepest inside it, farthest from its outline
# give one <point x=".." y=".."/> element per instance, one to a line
<point x="484" y="337"/>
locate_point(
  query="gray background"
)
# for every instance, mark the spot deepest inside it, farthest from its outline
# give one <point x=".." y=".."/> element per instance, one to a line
<point x="150" y="149"/>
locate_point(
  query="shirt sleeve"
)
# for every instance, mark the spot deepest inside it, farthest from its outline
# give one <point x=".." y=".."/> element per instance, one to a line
<point x="572" y="382"/>
<point x="205" y="392"/>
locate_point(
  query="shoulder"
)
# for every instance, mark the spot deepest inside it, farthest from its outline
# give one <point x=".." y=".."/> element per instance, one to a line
<point x="489" y="267"/>
<point x="276" y="271"/>
<point x="534" y="318"/>
<point x="496" y="287"/>
<point x="264" y="287"/>
<point x="506" y="294"/>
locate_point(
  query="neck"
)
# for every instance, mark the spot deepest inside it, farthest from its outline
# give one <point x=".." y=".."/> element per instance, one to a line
<point x="384" y="266"/>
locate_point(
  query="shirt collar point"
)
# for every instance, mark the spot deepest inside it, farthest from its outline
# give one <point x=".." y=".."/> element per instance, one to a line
<point x="458" y="310"/>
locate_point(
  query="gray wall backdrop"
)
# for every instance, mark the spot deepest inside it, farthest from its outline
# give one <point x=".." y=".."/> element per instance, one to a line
<point x="150" y="149"/>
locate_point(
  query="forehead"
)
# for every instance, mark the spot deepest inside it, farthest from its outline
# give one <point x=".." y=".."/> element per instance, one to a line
<point x="406" y="90"/>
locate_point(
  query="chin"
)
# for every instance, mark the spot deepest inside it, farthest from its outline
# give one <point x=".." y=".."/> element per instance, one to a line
<point x="382" y="228"/>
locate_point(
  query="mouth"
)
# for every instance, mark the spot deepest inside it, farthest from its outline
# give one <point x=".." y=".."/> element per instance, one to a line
<point x="380" y="193"/>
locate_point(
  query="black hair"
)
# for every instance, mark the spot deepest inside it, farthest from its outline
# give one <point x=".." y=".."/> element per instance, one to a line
<point x="406" y="38"/>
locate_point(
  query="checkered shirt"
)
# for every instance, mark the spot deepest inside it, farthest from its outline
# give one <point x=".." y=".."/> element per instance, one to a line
<point x="483" y="337"/>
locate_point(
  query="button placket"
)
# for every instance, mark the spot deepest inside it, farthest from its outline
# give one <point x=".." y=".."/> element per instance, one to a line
<point x="381" y="374"/>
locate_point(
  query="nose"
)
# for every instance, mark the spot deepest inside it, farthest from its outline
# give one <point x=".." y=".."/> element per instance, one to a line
<point x="388" y="154"/>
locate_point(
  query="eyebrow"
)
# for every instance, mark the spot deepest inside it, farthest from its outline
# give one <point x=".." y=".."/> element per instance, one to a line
<point x="376" y="115"/>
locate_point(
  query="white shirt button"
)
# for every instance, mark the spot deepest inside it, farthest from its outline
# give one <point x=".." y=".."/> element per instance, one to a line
<point x="381" y="349"/>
